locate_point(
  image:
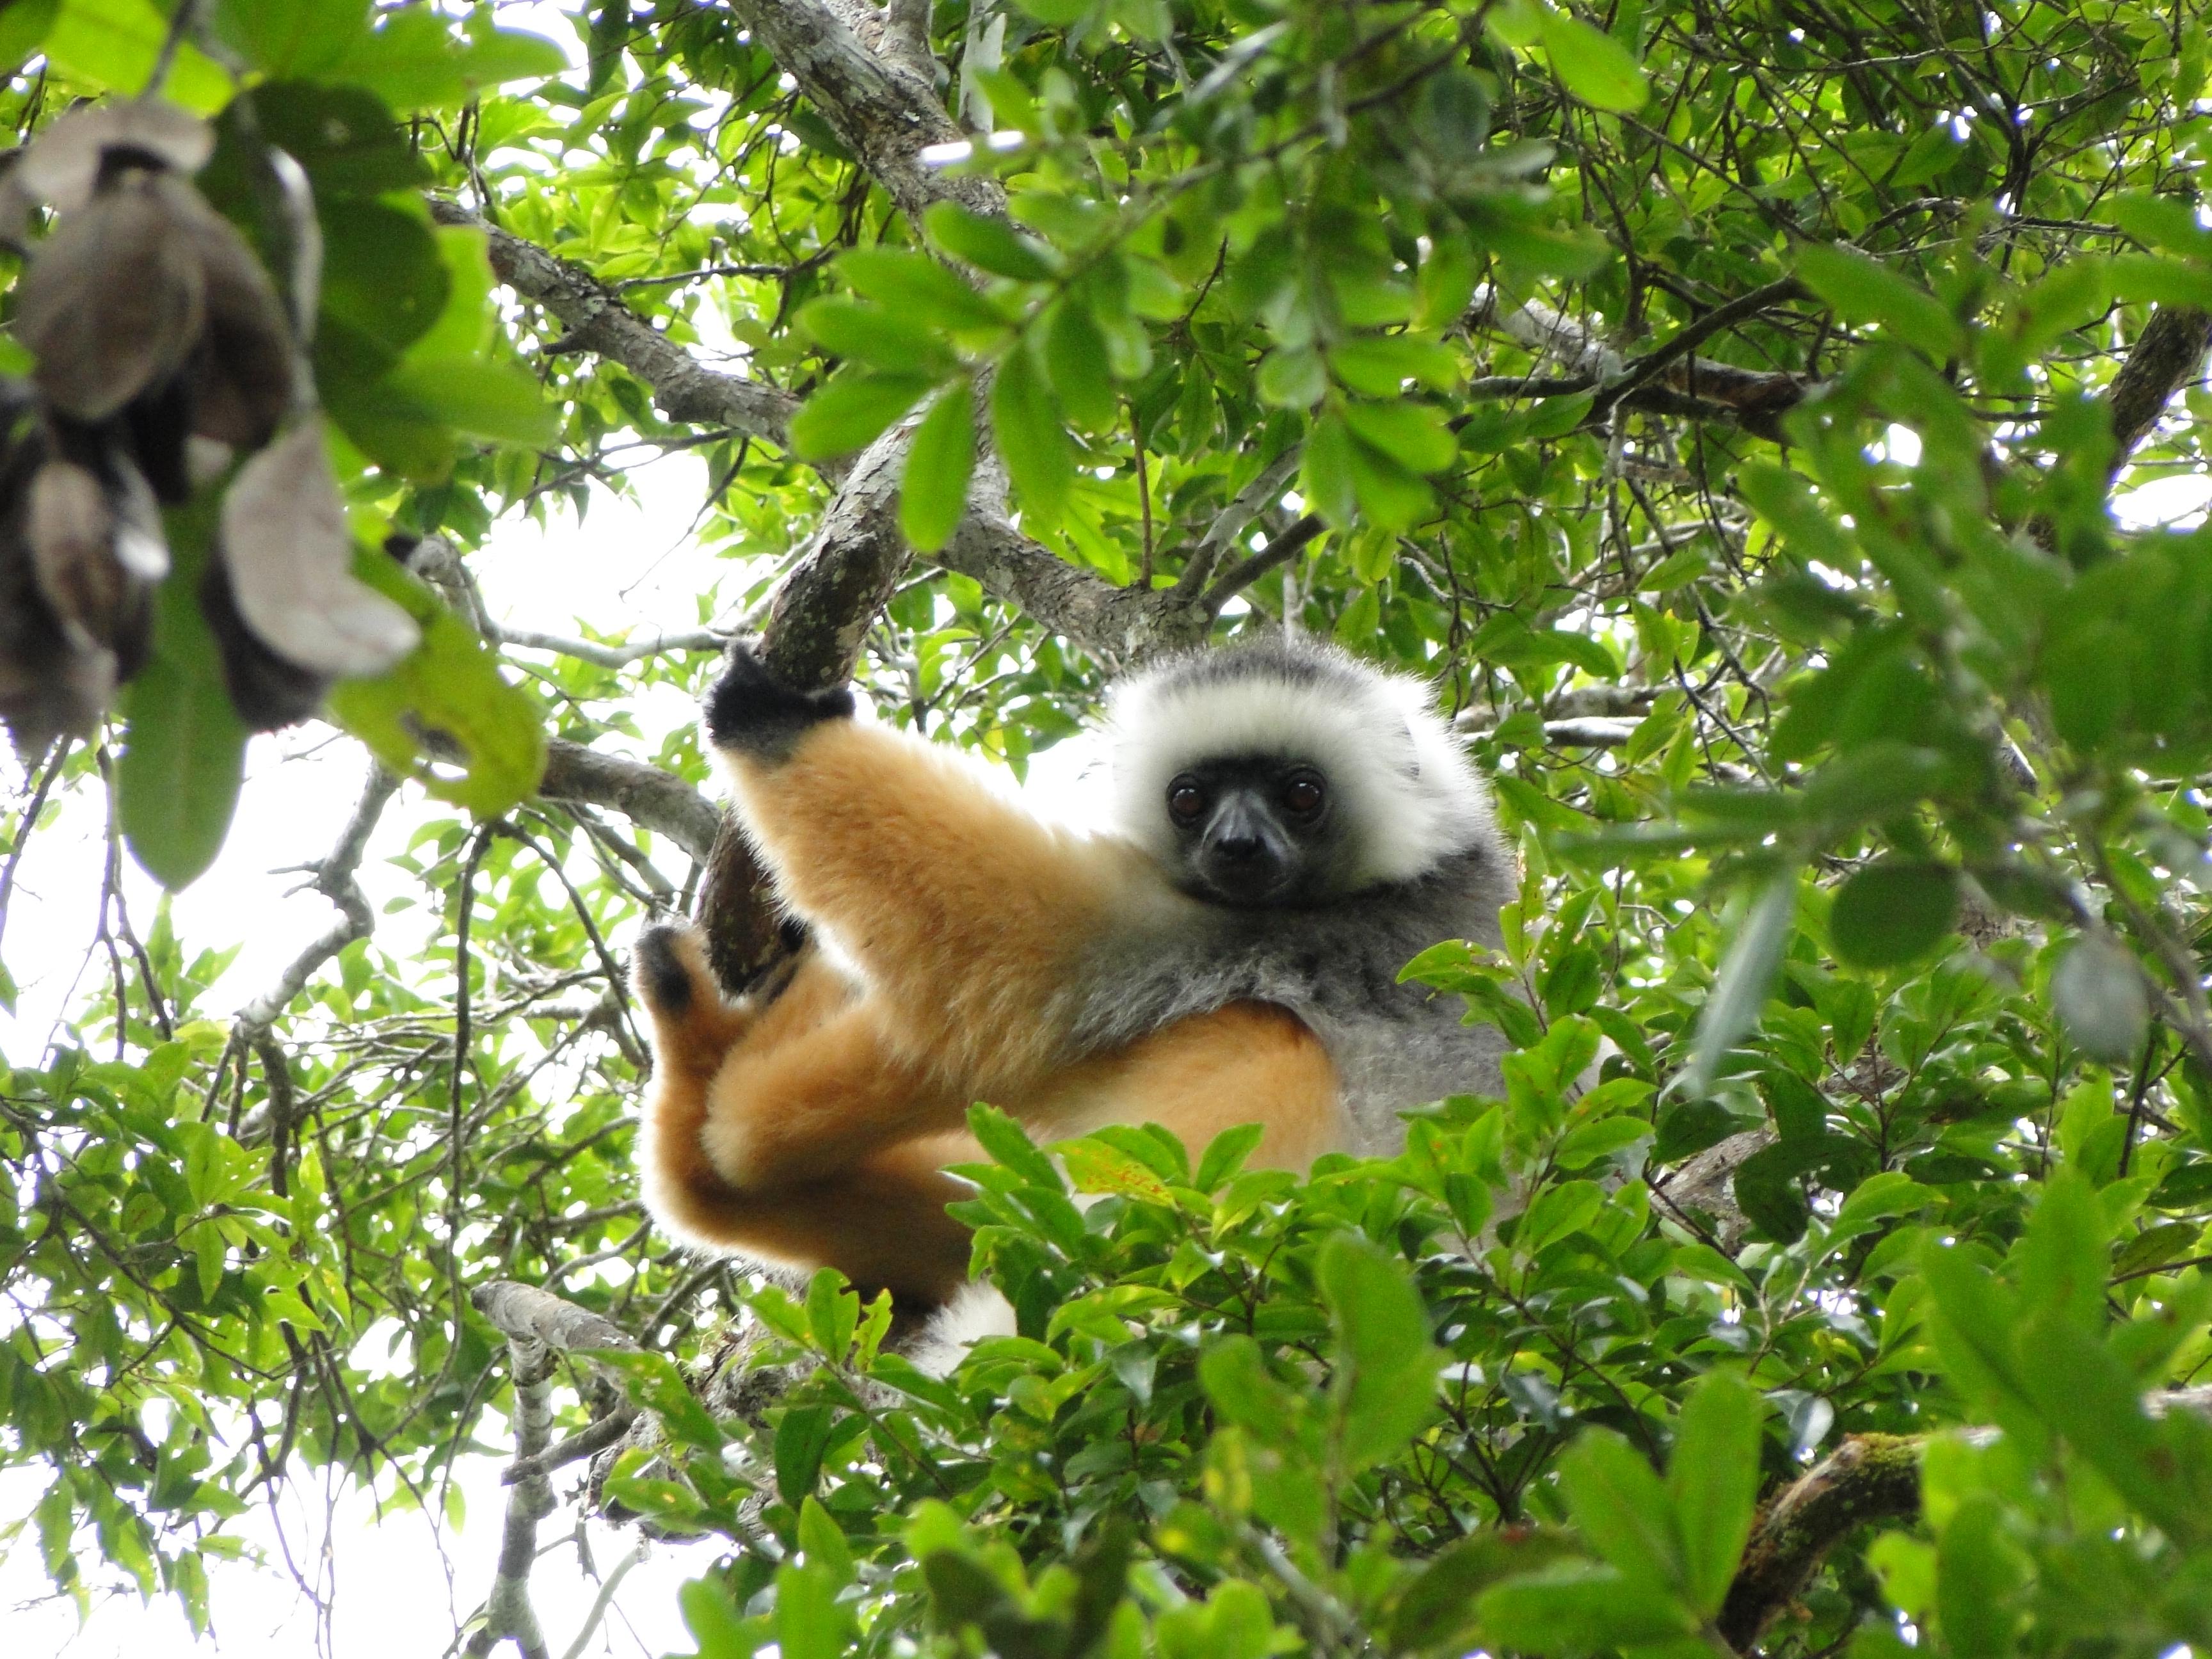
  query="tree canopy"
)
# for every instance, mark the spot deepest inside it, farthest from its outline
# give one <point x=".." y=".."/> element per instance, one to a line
<point x="1760" y="421"/>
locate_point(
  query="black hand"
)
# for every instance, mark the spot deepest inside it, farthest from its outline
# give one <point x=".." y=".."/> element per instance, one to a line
<point x="752" y="711"/>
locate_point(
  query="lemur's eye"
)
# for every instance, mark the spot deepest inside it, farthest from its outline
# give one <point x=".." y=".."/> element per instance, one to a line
<point x="1303" y="795"/>
<point x="1186" y="800"/>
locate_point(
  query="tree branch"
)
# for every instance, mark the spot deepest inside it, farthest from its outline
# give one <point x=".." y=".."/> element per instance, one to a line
<point x="507" y="1613"/>
<point x="1278" y="552"/>
<point x="1873" y="1477"/>
<point x="1669" y="381"/>
<point x="610" y="656"/>
<point x="683" y="388"/>
<point x="1869" y="1477"/>
<point x="642" y="793"/>
<point x="2166" y="356"/>
<point x="523" y="1313"/>
<point x="334" y="878"/>
<point x="882" y="109"/>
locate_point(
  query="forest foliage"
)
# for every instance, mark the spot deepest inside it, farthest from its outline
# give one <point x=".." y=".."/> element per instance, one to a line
<point x="1733" y="409"/>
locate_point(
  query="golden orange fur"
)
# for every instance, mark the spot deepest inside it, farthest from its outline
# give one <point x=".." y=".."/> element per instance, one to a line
<point x="812" y="1129"/>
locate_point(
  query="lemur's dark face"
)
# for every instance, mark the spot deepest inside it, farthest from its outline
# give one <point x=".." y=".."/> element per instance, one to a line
<point x="1257" y="829"/>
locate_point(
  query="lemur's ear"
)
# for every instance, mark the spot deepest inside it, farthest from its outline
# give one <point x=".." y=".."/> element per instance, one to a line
<point x="754" y="713"/>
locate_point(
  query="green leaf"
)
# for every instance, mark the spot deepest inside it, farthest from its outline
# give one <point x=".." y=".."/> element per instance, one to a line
<point x="1713" y="1477"/>
<point x="1578" y="1608"/>
<point x="1891" y="912"/>
<point x="1032" y="437"/>
<point x="824" y="1540"/>
<point x="1224" y="1156"/>
<point x="1056" y="14"/>
<point x="448" y="688"/>
<point x="1437" y="1608"/>
<point x="809" y="1622"/>
<point x="1556" y="1212"/>
<point x="485" y="399"/>
<point x="1866" y="293"/>
<point x="878" y="338"/>
<point x="851" y="410"/>
<point x="833" y="1314"/>
<point x="385" y="279"/>
<point x="801" y="1436"/>
<point x="2064" y="1252"/>
<point x="1413" y="434"/>
<point x="114" y="44"/>
<point x="1978" y="1574"/>
<point x="988" y="244"/>
<point x="1385" y="1383"/>
<point x="712" y="1620"/>
<point x="917" y="287"/>
<point x="1009" y="1144"/>
<point x="184" y="755"/>
<point x="1390" y="497"/>
<point x="23" y="27"/>
<point x="2086" y="1395"/>
<point x="1292" y="377"/>
<point x="1325" y="472"/>
<point x="1095" y="1166"/>
<point x="1381" y="365"/>
<point x="1591" y="65"/>
<point x="1976" y="1331"/>
<point x="934" y="488"/>
<point x="1621" y="1507"/>
<point x="208" y="1258"/>
<point x="655" y="1381"/>
<point x="1075" y="354"/>
<point x="1746" y="974"/>
<point x="414" y="62"/>
<point x="2098" y="992"/>
<point x="1235" y="1376"/>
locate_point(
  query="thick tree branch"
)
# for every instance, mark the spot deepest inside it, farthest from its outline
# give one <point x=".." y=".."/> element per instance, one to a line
<point x="1674" y="357"/>
<point x="644" y="794"/>
<point x="1874" y="1477"/>
<point x="1276" y="554"/>
<point x="508" y="1612"/>
<point x="1116" y="625"/>
<point x="523" y="1313"/>
<point x="683" y="388"/>
<point x="1870" y="1478"/>
<point x="884" y="109"/>
<point x="2166" y="356"/>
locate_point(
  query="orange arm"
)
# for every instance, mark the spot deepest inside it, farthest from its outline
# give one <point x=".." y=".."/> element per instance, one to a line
<point x="963" y="910"/>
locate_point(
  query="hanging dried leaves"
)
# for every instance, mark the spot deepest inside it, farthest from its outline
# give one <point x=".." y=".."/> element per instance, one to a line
<point x="163" y="352"/>
<point x="290" y="560"/>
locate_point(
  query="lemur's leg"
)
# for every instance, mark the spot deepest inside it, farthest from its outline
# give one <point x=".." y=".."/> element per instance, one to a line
<point x="963" y="910"/>
<point x="795" y="1139"/>
<point x="1246" y="1063"/>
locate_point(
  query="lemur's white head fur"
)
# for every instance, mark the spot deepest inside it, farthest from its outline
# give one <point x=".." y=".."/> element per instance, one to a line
<point x="1412" y="796"/>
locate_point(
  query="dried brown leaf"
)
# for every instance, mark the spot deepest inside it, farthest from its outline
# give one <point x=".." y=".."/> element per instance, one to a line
<point x="115" y="300"/>
<point x="246" y="379"/>
<point x="290" y="556"/>
<point x="62" y="167"/>
<point x="95" y="552"/>
<point x="266" y="690"/>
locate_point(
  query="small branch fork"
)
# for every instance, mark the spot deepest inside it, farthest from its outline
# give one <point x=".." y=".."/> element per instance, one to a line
<point x="539" y="1327"/>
